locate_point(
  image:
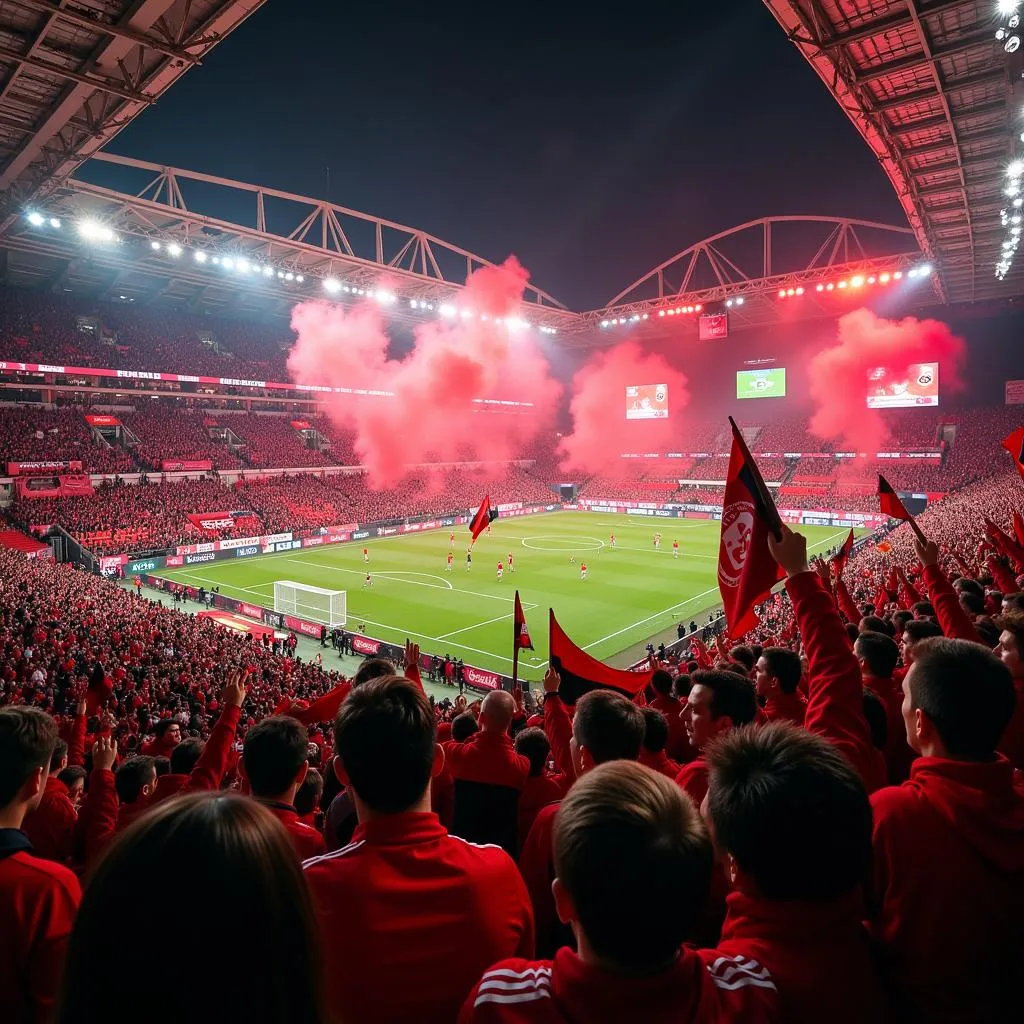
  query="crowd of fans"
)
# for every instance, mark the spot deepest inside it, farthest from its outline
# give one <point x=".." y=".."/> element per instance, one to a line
<point x="818" y="820"/>
<point x="33" y="433"/>
<point x="166" y="433"/>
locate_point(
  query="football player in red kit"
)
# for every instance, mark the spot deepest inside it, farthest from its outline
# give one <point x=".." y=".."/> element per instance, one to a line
<point x="448" y="567"/>
<point x="511" y="566"/>
<point x="366" y="554"/>
<point x="501" y="571"/>
<point x="675" y="549"/>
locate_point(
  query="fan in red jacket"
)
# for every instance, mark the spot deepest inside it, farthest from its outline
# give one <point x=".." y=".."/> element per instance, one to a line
<point x="719" y="700"/>
<point x="606" y="726"/>
<point x="274" y="762"/>
<point x="409" y="916"/>
<point x="166" y="736"/>
<point x="633" y="865"/>
<point x="38" y="898"/>
<point x="656" y="733"/>
<point x="542" y="787"/>
<point x="948" y="878"/>
<point x="1011" y="651"/>
<point x="678" y="746"/>
<point x="777" y="675"/>
<point x="50" y="826"/>
<point x="488" y="756"/>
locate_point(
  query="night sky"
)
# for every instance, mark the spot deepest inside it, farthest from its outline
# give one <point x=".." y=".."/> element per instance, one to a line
<point x="591" y="146"/>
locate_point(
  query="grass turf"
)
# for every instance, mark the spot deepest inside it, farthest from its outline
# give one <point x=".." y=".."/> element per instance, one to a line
<point x="632" y="592"/>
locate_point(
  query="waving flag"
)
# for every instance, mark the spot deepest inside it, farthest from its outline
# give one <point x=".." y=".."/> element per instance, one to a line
<point x="841" y="557"/>
<point x="1014" y="444"/>
<point x="1018" y="527"/>
<point x="581" y="673"/>
<point x="890" y="505"/>
<point x="485" y="515"/>
<point x="746" y="569"/>
<point x="520" y="631"/>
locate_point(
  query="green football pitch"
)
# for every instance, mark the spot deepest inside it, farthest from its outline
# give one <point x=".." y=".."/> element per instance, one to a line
<point x="632" y="591"/>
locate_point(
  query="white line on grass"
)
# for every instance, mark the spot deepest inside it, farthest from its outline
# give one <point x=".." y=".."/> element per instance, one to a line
<point x="476" y="625"/>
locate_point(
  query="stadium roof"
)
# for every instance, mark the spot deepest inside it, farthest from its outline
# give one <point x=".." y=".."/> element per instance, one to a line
<point x="929" y="87"/>
<point x="73" y="73"/>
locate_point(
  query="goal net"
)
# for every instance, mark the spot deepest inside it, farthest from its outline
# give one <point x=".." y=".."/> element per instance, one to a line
<point x="313" y="603"/>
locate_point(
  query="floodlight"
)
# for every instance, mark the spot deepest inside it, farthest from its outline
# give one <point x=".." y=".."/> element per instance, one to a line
<point x="200" y="256"/>
<point x="55" y="222"/>
<point x="174" y="249"/>
<point x="332" y="285"/>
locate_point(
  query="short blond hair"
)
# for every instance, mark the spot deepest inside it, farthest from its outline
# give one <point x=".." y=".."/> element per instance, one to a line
<point x="634" y="855"/>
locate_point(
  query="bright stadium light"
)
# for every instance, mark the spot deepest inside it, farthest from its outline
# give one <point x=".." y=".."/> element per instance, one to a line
<point x="1007" y="7"/>
<point x="155" y="246"/>
<point x="94" y="231"/>
<point x="289" y="276"/>
<point x="898" y="276"/>
<point x="200" y="256"/>
<point x="35" y="219"/>
<point x="55" y="222"/>
<point x="1016" y="169"/>
<point x="739" y="301"/>
<point x="227" y="263"/>
<point x="243" y="266"/>
<point x="174" y="249"/>
<point x="884" y="278"/>
<point x="856" y="281"/>
<point x="332" y="285"/>
<point x="924" y="270"/>
<point x="268" y="271"/>
<point x="299" y="278"/>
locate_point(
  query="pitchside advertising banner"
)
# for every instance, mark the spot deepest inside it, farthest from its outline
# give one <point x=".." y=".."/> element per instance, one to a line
<point x="186" y="465"/>
<point x="1015" y="392"/>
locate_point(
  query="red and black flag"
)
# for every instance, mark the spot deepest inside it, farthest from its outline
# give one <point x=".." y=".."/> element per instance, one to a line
<point x="580" y="673"/>
<point x="1014" y="444"/>
<point x="889" y="503"/>
<point x="841" y="557"/>
<point x="746" y="569"/>
<point x="520" y="631"/>
<point x="1018" y="527"/>
<point x="485" y="515"/>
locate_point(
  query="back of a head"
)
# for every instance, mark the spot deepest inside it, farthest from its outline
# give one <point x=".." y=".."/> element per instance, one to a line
<point x="497" y="711"/>
<point x="464" y="726"/>
<point x="1013" y="602"/>
<point x="185" y="756"/>
<point x="132" y="775"/>
<point x="385" y="736"/>
<point x="273" y="755"/>
<point x="973" y="604"/>
<point x="874" y="624"/>
<point x="307" y="796"/>
<point x="966" y="692"/>
<point x="732" y="694"/>
<point x="877" y="718"/>
<point x="661" y="682"/>
<point x="784" y="665"/>
<point x="60" y="751"/>
<point x="373" y="668"/>
<point x="791" y="810"/>
<point x="879" y="652"/>
<point x="923" y="610"/>
<point x="655" y="730"/>
<point x="921" y="629"/>
<point x="609" y="725"/>
<point x="533" y="744"/>
<point x="257" y="925"/>
<point x="27" y="741"/>
<point x="162" y="765"/>
<point x="743" y="655"/>
<point x="621" y="830"/>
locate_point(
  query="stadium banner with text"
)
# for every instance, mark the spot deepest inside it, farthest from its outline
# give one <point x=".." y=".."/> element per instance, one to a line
<point x="141" y="566"/>
<point x="712" y="326"/>
<point x="302" y="626"/>
<point x="301" y="424"/>
<point x="770" y="383"/>
<point x="214" y="522"/>
<point x="1015" y="392"/>
<point x="252" y="611"/>
<point x="110" y="565"/>
<point x="186" y="465"/>
<point x="102" y="421"/>
<point x="480" y="678"/>
<point x="647" y="402"/>
<point x="69" y="465"/>
<point x="365" y="645"/>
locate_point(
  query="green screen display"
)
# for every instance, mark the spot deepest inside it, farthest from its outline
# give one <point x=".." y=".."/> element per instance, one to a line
<point x="761" y="383"/>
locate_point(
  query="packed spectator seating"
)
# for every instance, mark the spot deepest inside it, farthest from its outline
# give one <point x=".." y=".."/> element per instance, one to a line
<point x="716" y="468"/>
<point x="37" y="434"/>
<point x="165" y="432"/>
<point x="637" y="488"/>
<point x="818" y="903"/>
<point x="271" y="442"/>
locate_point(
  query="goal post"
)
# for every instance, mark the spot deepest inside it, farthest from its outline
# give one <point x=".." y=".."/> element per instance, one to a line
<point x="317" y="604"/>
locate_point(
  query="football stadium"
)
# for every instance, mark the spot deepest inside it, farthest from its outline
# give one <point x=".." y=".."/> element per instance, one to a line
<point x="511" y="518"/>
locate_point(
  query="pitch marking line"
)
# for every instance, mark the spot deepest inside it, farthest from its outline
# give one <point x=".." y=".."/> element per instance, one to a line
<point x="476" y="625"/>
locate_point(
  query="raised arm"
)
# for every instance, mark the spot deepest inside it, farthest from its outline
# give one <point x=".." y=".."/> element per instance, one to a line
<point x="412" y="663"/>
<point x="76" y="741"/>
<point x="558" y="725"/>
<point x="213" y="762"/>
<point x="952" y="618"/>
<point x="835" y="700"/>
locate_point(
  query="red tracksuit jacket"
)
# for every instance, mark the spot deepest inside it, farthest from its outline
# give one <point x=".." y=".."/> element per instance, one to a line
<point x="819" y="956"/>
<point x="539" y="791"/>
<point x="660" y="762"/>
<point x="785" y="707"/>
<point x="51" y="826"/>
<point x="38" y="903"/>
<point x="948" y="890"/>
<point x="702" y="986"/>
<point x="410" y="917"/>
<point x="308" y="842"/>
<point x="488" y="757"/>
<point x="693" y="780"/>
<point x="678" y="747"/>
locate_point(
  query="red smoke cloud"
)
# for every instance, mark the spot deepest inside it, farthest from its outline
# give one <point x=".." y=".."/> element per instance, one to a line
<point x="839" y="375"/>
<point x="601" y="434"/>
<point x="432" y="416"/>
